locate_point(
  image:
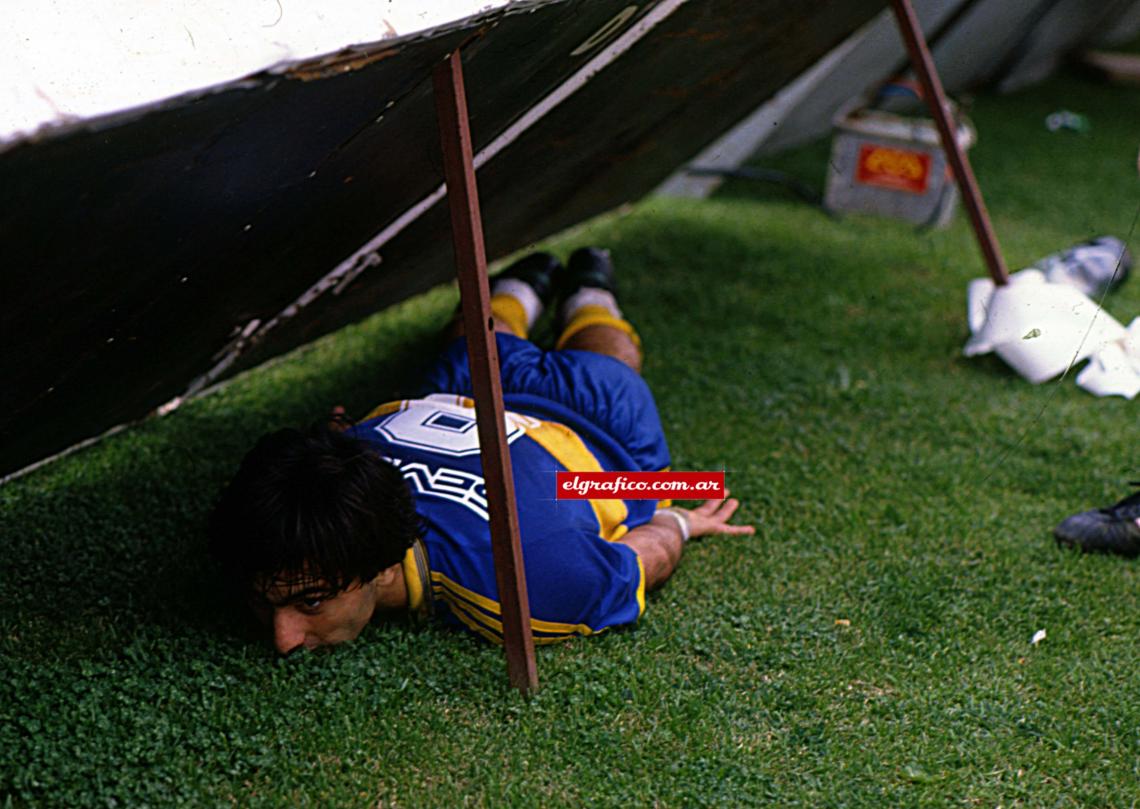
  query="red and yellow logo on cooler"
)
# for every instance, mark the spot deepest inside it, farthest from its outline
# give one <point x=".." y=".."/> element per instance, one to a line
<point x="897" y="169"/>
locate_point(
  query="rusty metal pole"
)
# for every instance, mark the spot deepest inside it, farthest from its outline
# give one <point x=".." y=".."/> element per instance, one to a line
<point x="923" y="64"/>
<point x="475" y="302"/>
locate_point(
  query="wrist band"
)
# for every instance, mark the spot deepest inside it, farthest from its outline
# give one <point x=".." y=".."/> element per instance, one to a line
<point x="681" y="518"/>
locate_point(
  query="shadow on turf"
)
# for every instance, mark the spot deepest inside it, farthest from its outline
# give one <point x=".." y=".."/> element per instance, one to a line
<point x="110" y="541"/>
<point x="102" y="544"/>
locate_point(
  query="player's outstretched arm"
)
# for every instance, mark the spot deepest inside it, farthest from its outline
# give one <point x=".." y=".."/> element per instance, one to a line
<point x="659" y="543"/>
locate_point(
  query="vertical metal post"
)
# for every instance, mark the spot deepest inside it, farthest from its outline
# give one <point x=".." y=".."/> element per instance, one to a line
<point x="475" y="302"/>
<point x="924" y="66"/>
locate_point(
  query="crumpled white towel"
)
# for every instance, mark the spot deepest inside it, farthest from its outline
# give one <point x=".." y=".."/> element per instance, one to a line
<point x="1040" y="329"/>
<point x="1115" y="369"/>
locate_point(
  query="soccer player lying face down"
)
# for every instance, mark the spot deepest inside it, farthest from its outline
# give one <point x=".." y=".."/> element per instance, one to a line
<point x="312" y="531"/>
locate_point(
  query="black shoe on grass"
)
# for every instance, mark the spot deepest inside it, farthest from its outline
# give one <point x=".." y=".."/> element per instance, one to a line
<point x="1115" y="529"/>
<point x="539" y="271"/>
<point x="588" y="267"/>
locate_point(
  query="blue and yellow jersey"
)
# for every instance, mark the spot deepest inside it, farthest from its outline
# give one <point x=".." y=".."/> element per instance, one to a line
<point x="579" y="580"/>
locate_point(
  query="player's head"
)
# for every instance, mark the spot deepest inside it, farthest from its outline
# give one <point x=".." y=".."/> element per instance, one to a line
<point x="310" y="524"/>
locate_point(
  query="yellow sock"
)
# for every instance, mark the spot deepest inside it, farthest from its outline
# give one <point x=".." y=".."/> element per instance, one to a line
<point x="596" y="315"/>
<point x="510" y="310"/>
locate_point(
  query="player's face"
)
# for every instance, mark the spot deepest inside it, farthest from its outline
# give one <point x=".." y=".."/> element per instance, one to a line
<point x="306" y="614"/>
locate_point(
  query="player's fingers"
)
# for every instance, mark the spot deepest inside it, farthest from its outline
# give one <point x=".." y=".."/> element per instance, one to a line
<point x="737" y="530"/>
<point x="710" y="506"/>
<point x="726" y="509"/>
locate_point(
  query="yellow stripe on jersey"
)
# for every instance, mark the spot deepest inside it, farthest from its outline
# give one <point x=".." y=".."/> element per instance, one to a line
<point x="640" y="588"/>
<point x="554" y="627"/>
<point x="491" y="628"/>
<point x="404" y="404"/>
<point x="470" y="622"/>
<point x="485" y="603"/>
<point x="412" y="581"/>
<point x="470" y="616"/>
<point x="569" y="450"/>
<point x="458" y="604"/>
<point x="386" y="408"/>
<point x="475" y="620"/>
<point x="463" y="600"/>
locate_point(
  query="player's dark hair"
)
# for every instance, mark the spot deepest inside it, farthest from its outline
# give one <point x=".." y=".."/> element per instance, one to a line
<point x="311" y="505"/>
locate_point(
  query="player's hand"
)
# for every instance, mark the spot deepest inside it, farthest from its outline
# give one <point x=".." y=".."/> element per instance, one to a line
<point x="712" y="516"/>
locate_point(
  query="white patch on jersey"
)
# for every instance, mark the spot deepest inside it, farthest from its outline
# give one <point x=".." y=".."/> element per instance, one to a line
<point x="466" y="489"/>
<point x="443" y="427"/>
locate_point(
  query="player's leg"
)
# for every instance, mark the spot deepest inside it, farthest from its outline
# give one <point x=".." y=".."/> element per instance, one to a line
<point x="590" y="316"/>
<point x="519" y="294"/>
<point x="610" y="396"/>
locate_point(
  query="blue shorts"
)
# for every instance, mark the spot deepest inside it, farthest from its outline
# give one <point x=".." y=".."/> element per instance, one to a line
<point x="602" y="399"/>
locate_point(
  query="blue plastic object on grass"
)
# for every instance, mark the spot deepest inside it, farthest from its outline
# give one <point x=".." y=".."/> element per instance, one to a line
<point x="1094" y="267"/>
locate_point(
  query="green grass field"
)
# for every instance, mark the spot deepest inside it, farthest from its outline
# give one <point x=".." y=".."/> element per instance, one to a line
<point x="869" y="647"/>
